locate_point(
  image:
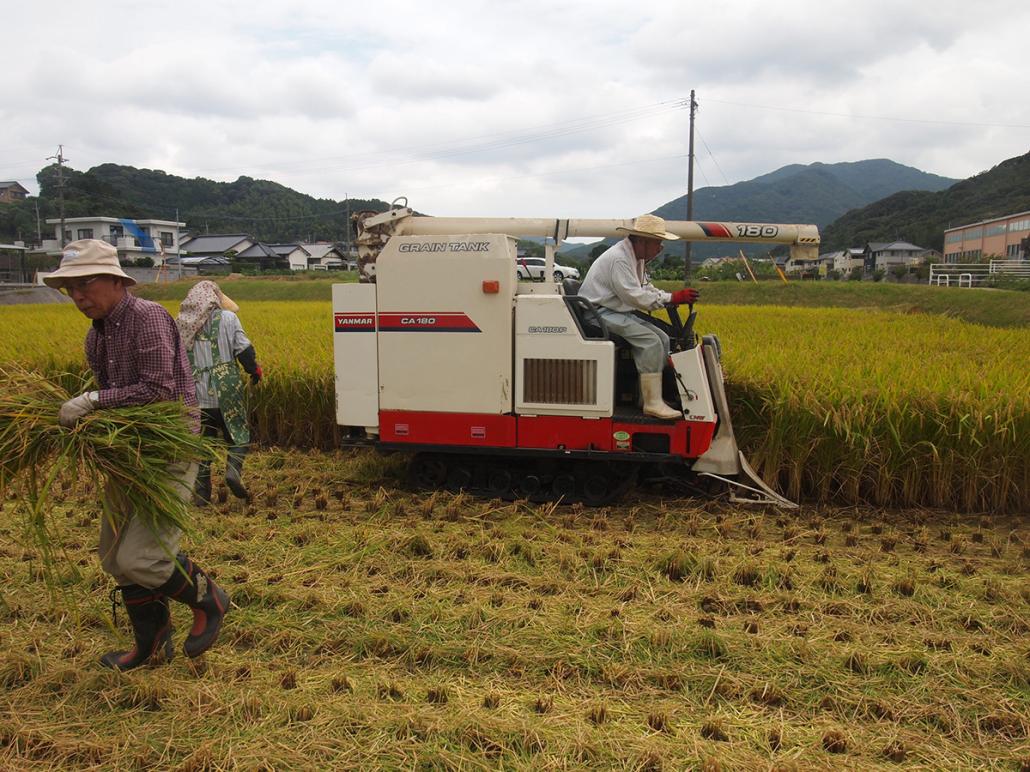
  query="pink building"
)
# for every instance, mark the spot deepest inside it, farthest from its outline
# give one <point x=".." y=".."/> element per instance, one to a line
<point x="1000" y="237"/>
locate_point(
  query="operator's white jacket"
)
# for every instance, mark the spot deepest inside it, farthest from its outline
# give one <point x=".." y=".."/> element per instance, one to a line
<point x="617" y="280"/>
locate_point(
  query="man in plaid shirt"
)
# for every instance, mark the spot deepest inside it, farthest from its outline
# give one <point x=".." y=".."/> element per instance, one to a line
<point x="137" y="357"/>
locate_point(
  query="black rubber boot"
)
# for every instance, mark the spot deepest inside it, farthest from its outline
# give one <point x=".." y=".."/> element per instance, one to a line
<point x="190" y="585"/>
<point x="202" y="489"/>
<point x="151" y="627"/>
<point x="234" y="471"/>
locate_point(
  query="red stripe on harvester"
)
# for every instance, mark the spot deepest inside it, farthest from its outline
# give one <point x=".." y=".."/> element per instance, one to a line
<point x="426" y="321"/>
<point x="716" y="230"/>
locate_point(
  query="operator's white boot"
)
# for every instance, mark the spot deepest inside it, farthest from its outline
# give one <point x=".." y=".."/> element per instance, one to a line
<point x="654" y="405"/>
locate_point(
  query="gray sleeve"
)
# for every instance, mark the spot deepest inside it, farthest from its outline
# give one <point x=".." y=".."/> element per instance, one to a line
<point x="232" y="333"/>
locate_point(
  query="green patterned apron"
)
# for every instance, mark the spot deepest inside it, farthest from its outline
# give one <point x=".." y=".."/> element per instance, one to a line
<point x="224" y="383"/>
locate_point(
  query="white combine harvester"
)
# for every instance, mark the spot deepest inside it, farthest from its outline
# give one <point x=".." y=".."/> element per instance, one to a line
<point x="516" y="389"/>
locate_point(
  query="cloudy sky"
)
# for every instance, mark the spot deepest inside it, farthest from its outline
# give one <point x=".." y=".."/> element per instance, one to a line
<point x="513" y="107"/>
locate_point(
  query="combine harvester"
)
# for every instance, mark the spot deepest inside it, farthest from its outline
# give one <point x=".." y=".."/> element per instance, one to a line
<point x="516" y="389"/>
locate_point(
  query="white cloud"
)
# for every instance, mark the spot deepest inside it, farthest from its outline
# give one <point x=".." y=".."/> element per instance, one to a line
<point x="558" y="108"/>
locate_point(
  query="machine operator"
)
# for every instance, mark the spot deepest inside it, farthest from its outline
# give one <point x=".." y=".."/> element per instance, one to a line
<point x="618" y="284"/>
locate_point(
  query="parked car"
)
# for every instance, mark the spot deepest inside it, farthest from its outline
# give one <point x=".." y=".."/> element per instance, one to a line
<point x="532" y="268"/>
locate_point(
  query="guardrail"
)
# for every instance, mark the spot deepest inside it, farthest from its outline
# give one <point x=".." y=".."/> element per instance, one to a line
<point x="972" y="274"/>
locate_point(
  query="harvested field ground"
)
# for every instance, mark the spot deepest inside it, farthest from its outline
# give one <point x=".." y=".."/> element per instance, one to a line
<point x="375" y="627"/>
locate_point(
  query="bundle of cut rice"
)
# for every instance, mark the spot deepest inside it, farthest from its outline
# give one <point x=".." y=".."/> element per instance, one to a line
<point x="129" y="448"/>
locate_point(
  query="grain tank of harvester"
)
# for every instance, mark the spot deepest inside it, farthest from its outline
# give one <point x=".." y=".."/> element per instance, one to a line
<point x="517" y="389"/>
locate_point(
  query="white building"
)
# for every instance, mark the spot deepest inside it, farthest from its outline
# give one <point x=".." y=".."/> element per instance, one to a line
<point x="134" y="239"/>
<point x="327" y="257"/>
<point x="883" y="255"/>
<point x="845" y="260"/>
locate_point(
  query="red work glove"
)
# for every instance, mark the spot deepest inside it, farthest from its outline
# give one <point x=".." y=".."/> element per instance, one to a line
<point x="688" y="296"/>
<point x="256" y="376"/>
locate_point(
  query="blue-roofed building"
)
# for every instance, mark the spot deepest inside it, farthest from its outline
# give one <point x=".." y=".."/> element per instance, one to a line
<point x="134" y="239"/>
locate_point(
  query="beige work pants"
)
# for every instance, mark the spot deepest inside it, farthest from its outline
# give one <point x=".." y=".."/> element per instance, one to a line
<point x="132" y="553"/>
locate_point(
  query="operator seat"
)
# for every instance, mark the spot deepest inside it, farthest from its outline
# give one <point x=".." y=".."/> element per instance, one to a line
<point x="570" y="288"/>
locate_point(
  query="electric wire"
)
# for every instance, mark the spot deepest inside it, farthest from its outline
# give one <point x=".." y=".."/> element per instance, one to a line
<point x="473" y="144"/>
<point x="871" y="117"/>
<point x="712" y="155"/>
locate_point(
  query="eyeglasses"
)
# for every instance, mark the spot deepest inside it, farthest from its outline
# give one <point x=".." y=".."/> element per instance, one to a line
<point x="80" y="285"/>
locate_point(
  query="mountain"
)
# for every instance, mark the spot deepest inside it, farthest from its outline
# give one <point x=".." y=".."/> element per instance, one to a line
<point x="921" y="217"/>
<point x="816" y="193"/>
<point x="267" y="210"/>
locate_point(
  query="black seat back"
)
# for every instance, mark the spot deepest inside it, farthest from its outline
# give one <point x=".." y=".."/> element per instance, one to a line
<point x="571" y="286"/>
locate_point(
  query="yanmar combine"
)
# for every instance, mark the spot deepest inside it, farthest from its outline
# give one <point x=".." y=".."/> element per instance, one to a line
<point x="516" y="389"/>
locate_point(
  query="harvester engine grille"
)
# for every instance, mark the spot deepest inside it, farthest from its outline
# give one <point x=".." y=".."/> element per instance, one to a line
<point x="560" y="381"/>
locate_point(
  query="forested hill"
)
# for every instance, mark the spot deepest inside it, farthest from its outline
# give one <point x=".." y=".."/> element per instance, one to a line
<point x="921" y="217"/>
<point x="264" y="209"/>
<point x="816" y="193"/>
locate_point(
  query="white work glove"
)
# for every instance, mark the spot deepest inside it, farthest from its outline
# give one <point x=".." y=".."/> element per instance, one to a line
<point x="76" y="407"/>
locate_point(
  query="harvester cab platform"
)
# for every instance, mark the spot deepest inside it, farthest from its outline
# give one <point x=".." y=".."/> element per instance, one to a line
<point x="516" y="389"/>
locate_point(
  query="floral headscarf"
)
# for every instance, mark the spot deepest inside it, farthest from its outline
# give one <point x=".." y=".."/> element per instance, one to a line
<point x="195" y="309"/>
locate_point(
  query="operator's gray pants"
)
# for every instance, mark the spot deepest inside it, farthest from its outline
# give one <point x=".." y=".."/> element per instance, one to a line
<point x="132" y="553"/>
<point x="650" y="345"/>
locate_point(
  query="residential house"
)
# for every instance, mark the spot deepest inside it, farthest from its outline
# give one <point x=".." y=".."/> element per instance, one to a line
<point x="324" y="256"/>
<point x="202" y="264"/>
<point x="803" y="268"/>
<point x="884" y="255"/>
<point x="296" y="255"/>
<point x="266" y="257"/>
<point x="134" y="239"/>
<point x="712" y="262"/>
<point x="219" y="244"/>
<point x="846" y="260"/>
<point x="11" y="191"/>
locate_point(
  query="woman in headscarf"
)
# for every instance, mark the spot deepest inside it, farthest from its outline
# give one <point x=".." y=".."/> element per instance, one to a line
<point x="215" y="341"/>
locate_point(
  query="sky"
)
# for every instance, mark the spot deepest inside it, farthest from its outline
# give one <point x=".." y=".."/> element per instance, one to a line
<point x="531" y="108"/>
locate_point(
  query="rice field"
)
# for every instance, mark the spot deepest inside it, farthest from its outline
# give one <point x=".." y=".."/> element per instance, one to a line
<point x="374" y="628"/>
<point x="831" y="404"/>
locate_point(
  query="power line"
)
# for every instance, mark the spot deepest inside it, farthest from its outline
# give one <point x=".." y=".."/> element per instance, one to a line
<point x="874" y="117"/>
<point x="712" y="155"/>
<point x="551" y="174"/>
<point x="407" y="155"/>
<point x="701" y="169"/>
<point x="482" y="143"/>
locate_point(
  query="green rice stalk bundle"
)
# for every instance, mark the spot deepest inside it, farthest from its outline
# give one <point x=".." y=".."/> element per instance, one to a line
<point x="128" y="449"/>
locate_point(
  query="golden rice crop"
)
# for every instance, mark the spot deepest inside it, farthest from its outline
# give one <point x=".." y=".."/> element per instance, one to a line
<point x="880" y="407"/>
<point x="830" y="403"/>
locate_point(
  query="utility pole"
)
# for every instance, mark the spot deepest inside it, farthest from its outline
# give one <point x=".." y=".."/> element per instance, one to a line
<point x="39" y="231"/>
<point x="690" y="187"/>
<point x="61" y="160"/>
<point x="178" y="241"/>
<point x="346" y="229"/>
<point x="346" y="224"/>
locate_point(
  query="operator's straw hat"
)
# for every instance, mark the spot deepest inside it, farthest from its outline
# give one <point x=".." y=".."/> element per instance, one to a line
<point x="650" y="226"/>
<point x="87" y="257"/>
